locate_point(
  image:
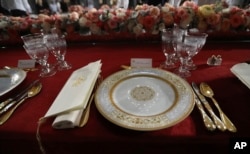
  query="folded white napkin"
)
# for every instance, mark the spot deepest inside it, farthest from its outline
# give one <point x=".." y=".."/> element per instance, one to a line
<point x="74" y="96"/>
<point x="68" y="120"/>
<point x="242" y="71"/>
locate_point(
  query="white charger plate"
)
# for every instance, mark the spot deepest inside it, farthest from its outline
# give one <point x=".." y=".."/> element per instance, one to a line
<point x="144" y="99"/>
<point x="10" y="78"/>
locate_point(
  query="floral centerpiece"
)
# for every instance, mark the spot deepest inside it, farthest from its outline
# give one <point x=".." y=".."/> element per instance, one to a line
<point x="145" y="20"/>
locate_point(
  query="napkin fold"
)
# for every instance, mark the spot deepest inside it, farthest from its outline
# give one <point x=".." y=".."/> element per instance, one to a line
<point x="74" y="96"/>
<point x="68" y="120"/>
<point x="242" y="71"/>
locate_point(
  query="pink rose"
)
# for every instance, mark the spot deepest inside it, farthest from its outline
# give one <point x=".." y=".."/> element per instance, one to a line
<point x="73" y="16"/>
<point x="190" y="4"/>
<point x="168" y="19"/>
<point x="154" y="11"/>
<point x="93" y="15"/>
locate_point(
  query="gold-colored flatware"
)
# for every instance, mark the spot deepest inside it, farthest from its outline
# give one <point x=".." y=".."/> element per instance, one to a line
<point x="31" y="93"/>
<point x="86" y="111"/>
<point x="218" y="123"/>
<point x="126" y="67"/>
<point x="85" y="114"/>
<point x="18" y="97"/>
<point x="207" y="91"/>
<point x="209" y="124"/>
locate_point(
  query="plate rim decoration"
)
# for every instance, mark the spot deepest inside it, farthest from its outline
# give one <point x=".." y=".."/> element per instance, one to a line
<point x="11" y="72"/>
<point x="109" y="110"/>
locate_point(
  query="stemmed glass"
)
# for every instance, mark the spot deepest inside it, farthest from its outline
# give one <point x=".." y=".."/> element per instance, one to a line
<point x="32" y="39"/>
<point x="183" y="50"/>
<point x="198" y="39"/>
<point x="167" y="39"/>
<point x="170" y="37"/>
<point x="40" y="53"/>
<point x="58" y="47"/>
<point x="36" y="49"/>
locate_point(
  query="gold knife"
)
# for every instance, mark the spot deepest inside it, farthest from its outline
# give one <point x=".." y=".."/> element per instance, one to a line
<point x="209" y="124"/>
<point x="18" y="96"/>
<point x="219" y="124"/>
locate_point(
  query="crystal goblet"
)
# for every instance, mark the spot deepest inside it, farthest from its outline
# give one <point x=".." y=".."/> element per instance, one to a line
<point x="57" y="45"/>
<point x="182" y="54"/>
<point x="32" y="39"/>
<point x="40" y="53"/>
<point x="198" y="39"/>
<point x="167" y="41"/>
<point x="183" y="50"/>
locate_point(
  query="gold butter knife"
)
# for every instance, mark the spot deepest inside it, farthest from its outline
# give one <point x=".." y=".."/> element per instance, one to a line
<point x="219" y="124"/>
<point x="19" y="95"/>
<point x="33" y="91"/>
<point x="209" y="124"/>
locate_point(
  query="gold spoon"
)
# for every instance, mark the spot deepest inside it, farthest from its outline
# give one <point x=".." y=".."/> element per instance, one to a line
<point x="207" y="91"/>
<point x="126" y="67"/>
<point x="32" y="92"/>
<point x="85" y="114"/>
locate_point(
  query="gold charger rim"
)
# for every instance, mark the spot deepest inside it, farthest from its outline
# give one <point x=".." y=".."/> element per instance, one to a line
<point x="138" y="122"/>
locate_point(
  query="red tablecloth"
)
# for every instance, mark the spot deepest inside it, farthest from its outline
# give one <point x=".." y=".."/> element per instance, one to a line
<point x="18" y="134"/>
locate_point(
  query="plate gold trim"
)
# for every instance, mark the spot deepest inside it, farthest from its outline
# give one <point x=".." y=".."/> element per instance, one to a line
<point x="173" y="98"/>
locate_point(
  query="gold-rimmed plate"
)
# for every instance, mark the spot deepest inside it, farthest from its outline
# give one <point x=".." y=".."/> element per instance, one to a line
<point x="10" y="78"/>
<point x="144" y="99"/>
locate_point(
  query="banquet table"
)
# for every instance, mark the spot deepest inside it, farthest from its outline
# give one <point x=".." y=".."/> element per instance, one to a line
<point x="18" y="134"/>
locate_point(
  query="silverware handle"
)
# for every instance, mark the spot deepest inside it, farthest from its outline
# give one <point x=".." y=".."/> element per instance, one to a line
<point x="17" y="98"/>
<point x="4" y="103"/>
<point x="219" y="124"/>
<point x="207" y="121"/>
<point x="85" y="114"/>
<point x="7" y="107"/>
<point x="230" y="126"/>
<point x="8" y="113"/>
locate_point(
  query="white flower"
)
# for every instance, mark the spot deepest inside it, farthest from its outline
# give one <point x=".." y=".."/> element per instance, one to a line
<point x="73" y="16"/>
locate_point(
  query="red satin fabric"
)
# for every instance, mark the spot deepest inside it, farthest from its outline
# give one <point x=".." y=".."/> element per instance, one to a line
<point x="18" y="134"/>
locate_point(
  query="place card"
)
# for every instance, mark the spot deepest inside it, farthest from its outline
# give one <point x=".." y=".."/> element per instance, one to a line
<point x="27" y="63"/>
<point x="141" y="62"/>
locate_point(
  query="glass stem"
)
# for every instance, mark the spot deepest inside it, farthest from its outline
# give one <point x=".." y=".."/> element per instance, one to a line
<point x="183" y="64"/>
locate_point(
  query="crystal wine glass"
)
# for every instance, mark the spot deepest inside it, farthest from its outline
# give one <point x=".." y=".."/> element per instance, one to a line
<point x="32" y="41"/>
<point x="198" y="39"/>
<point x="183" y="50"/>
<point x="168" y="38"/>
<point x="40" y="53"/>
<point x="58" y="47"/>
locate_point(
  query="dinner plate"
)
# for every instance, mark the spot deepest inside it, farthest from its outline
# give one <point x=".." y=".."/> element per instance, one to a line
<point x="10" y="78"/>
<point x="144" y="99"/>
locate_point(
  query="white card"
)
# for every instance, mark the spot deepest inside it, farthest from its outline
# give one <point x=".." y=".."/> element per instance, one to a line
<point x="29" y="63"/>
<point x="141" y="62"/>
